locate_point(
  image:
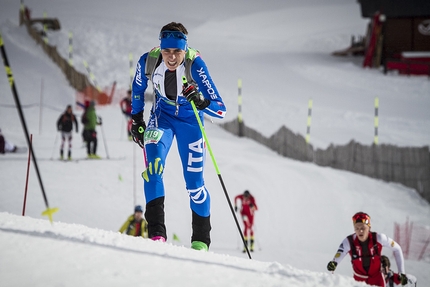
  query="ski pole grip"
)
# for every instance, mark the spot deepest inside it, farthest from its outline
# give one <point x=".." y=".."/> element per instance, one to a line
<point x="184" y="81"/>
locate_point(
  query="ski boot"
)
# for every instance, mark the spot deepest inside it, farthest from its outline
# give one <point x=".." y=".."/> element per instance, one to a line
<point x="198" y="245"/>
<point x="252" y="244"/>
<point x="158" y="238"/>
<point x="246" y="242"/>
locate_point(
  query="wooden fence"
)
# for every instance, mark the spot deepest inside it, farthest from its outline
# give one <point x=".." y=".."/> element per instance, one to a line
<point x="409" y="166"/>
<point x="77" y="80"/>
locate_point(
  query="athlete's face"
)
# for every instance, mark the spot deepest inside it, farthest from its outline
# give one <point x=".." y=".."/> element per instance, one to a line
<point x="173" y="57"/>
<point x="362" y="230"/>
<point x="138" y="215"/>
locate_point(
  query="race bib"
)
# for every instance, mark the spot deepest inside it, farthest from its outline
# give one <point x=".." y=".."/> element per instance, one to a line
<point x="152" y="136"/>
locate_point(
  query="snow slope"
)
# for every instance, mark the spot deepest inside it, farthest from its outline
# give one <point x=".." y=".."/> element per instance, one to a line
<point x="281" y="52"/>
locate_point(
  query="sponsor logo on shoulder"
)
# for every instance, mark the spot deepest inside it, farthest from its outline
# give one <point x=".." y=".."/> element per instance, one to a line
<point x="207" y="84"/>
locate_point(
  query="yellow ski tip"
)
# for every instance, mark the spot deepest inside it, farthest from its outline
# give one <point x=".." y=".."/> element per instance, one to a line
<point x="49" y="212"/>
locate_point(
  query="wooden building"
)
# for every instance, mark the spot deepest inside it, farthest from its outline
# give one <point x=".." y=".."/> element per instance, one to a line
<point x="398" y="36"/>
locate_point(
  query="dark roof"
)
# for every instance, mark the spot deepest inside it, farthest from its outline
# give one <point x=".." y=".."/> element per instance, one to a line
<point x="395" y="8"/>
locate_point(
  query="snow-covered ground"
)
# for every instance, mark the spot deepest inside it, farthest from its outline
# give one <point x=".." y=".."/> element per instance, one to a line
<point x="281" y="51"/>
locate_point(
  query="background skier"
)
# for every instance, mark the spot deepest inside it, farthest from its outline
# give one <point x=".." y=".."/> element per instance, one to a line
<point x="125" y="105"/>
<point x="65" y="126"/>
<point x="248" y="207"/>
<point x="392" y="278"/>
<point x="6" y="146"/>
<point x="173" y="116"/>
<point x="135" y="225"/>
<point x="90" y="121"/>
<point x="365" y="249"/>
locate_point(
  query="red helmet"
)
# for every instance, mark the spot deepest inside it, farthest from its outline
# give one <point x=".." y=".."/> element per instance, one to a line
<point x="361" y="217"/>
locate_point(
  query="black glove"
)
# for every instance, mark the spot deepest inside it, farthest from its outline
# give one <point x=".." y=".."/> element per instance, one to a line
<point x="403" y="279"/>
<point x="191" y="93"/>
<point x="331" y="266"/>
<point x="138" y="128"/>
<point x="390" y="274"/>
<point x="235" y="208"/>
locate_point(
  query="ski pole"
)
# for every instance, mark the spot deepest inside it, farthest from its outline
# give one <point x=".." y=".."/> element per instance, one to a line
<point x="55" y="144"/>
<point x="49" y="211"/>
<point x="103" y="136"/>
<point x="122" y="127"/>
<point x="26" y="178"/>
<point x="185" y="82"/>
<point x="256" y="239"/>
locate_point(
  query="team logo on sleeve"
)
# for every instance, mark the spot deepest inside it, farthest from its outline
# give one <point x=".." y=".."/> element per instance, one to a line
<point x="138" y="74"/>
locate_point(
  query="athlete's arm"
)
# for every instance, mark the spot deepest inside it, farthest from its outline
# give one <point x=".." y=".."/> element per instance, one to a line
<point x="386" y="241"/>
<point x="342" y="251"/>
<point x="207" y="87"/>
<point x="140" y="83"/>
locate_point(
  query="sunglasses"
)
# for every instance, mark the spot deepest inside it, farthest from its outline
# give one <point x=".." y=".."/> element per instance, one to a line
<point x="173" y="34"/>
<point x="361" y="217"/>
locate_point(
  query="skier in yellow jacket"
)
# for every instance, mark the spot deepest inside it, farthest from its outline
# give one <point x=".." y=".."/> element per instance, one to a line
<point x="135" y="225"/>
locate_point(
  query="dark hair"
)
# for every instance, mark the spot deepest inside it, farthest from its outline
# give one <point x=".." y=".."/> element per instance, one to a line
<point x="174" y="26"/>
<point x="385" y="261"/>
<point x="138" y="208"/>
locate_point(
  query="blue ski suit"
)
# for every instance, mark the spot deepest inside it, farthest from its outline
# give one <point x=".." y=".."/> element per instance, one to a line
<point x="174" y="117"/>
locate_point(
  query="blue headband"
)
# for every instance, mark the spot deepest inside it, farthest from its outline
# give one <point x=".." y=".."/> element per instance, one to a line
<point x="173" y="40"/>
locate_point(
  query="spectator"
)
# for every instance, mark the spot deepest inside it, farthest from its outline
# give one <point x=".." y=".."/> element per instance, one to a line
<point x="90" y="121"/>
<point x="135" y="224"/>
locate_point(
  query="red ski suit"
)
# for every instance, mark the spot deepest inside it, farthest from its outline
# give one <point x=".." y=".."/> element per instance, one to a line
<point x="247" y="211"/>
<point x="373" y="274"/>
<point x="126" y="110"/>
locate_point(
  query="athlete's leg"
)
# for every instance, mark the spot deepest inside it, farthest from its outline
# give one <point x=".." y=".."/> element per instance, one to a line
<point x="251" y="231"/>
<point x="63" y="139"/>
<point x="192" y="152"/>
<point x="245" y="230"/>
<point x="158" y="139"/>
<point x="94" y="134"/>
<point x="69" y="138"/>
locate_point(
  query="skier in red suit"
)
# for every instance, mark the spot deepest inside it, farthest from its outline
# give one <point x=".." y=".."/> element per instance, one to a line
<point x="126" y="110"/>
<point x="247" y="212"/>
<point x="365" y="248"/>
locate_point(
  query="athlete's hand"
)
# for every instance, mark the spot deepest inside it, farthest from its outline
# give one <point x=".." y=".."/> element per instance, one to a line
<point x="331" y="266"/>
<point x="235" y="208"/>
<point x="192" y="95"/>
<point x="403" y="279"/>
<point x="138" y="128"/>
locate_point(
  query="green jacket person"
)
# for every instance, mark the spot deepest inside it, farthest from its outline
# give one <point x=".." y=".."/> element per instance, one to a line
<point x="135" y="225"/>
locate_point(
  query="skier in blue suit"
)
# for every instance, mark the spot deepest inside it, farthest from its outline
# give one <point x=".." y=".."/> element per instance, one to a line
<point x="172" y="116"/>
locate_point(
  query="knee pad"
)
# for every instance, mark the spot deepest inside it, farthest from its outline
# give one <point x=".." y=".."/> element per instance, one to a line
<point x="154" y="169"/>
